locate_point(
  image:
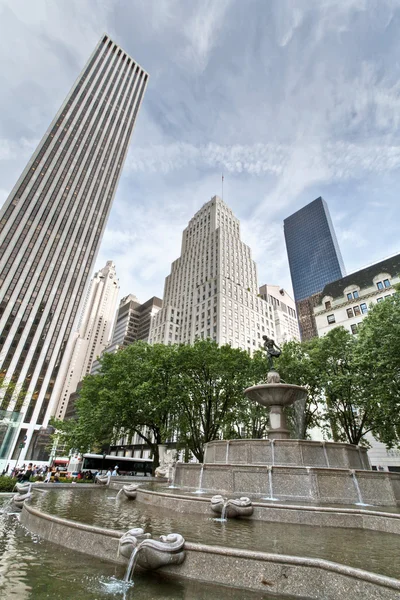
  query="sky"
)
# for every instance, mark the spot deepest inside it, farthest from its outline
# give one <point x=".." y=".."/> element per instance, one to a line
<point x="289" y="99"/>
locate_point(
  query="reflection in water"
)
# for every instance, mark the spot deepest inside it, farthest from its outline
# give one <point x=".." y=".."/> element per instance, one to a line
<point x="367" y="550"/>
<point x="33" y="569"/>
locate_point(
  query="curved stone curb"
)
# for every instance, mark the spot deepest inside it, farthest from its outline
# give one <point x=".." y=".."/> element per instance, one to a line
<point x="88" y="539"/>
<point x="285" y="575"/>
<point x="278" y="574"/>
<point x="282" y="513"/>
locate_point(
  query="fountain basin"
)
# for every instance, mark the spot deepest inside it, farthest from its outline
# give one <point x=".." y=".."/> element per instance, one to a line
<point x="283" y="575"/>
<point x="276" y="394"/>
<point x="291" y="483"/>
<point x="305" y="453"/>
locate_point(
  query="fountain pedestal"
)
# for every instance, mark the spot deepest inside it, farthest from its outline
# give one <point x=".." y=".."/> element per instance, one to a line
<point x="276" y="396"/>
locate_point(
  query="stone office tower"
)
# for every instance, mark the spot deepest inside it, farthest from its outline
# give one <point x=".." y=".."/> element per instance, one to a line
<point x="212" y="291"/>
<point x="51" y="226"/>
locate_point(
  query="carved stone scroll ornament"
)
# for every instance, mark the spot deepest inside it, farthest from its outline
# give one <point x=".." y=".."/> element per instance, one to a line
<point x="129" y="541"/>
<point x="23" y="488"/>
<point x="167" y="464"/>
<point x="130" y="491"/>
<point x="168" y="550"/>
<point x="103" y="479"/>
<point x="232" y="508"/>
<point x="152" y="554"/>
<point x="19" y="499"/>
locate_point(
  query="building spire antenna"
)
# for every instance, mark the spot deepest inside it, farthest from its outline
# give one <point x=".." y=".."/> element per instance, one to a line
<point x="222" y="196"/>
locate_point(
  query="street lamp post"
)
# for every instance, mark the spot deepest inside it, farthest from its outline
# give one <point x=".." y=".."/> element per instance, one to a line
<point x="102" y="462"/>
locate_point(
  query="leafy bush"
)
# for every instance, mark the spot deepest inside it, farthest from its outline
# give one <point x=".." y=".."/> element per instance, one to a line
<point x="7" y="484"/>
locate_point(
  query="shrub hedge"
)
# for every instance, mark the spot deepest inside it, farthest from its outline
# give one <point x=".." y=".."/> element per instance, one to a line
<point x="7" y="484"/>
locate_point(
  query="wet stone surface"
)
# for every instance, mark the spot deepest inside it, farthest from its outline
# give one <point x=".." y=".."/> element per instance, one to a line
<point x="33" y="569"/>
<point x="370" y="550"/>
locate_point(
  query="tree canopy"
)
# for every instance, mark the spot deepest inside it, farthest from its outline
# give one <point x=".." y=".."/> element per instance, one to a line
<point x="194" y="394"/>
<point x="160" y="392"/>
<point x="377" y="358"/>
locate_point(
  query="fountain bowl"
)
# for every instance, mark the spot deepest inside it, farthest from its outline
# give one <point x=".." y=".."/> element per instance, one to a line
<point x="276" y="394"/>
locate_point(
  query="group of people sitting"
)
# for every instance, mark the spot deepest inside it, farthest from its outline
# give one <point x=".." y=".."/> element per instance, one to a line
<point x="86" y="475"/>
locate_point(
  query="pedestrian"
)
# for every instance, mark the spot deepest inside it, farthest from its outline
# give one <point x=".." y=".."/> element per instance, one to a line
<point x="115" y="472"/>
<point x="28" y="473"/>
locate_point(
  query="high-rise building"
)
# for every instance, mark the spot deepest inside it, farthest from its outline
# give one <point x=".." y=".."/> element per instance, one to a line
<point x="212" y="291"/>
<point x="132" y="323"/>
<point x="94" y="331"/>
<point x="284" y="310"/>
<point x="51" y="226"/>
<point x="133" y="319"/>
<point x="314" y="259"/>
<point x="312" y="248"/>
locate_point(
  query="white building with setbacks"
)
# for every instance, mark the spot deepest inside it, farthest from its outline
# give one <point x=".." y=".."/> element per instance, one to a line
<point x="94" y="332"/>
<point x="212" y="290"/>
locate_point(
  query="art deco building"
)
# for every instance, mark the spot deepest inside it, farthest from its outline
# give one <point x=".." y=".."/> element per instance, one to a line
<point x="51" y="226"/>
<point x="94" y="331"/>
<point x="212" y="291"/>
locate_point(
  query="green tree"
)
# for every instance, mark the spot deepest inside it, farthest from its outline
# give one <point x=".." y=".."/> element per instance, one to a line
<point x="297" y="367"/>
<point x="378" y="361"/>
<point x="346" y="412"/>
<point x="212" y="381"/>
<point x="134" y="392"/>
<point x="252" y="419"/>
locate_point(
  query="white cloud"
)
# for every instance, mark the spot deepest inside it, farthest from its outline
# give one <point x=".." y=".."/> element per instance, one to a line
<point x="291" y="100"/>
<point x="202" y="31"/>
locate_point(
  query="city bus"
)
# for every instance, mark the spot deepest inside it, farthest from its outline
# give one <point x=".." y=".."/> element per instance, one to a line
<point x="96" y="463"/>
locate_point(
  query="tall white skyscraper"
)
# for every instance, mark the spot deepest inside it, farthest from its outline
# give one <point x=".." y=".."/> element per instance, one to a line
<point x="51" y="226"/>
<point x="94" y="331"/>
<point x="212" y="291"/>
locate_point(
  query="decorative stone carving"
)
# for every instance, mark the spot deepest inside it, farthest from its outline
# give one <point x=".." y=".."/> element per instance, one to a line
<point x="103" y="479"/>
<point x="152" y="554"/>
<point x="129" y="541"/>
<point x="167" y="463"/>
<point x="23" y="488"/>
<point x="233" y="508"/>
<point x="130" y="491"/>
<point x="19" y="499"/>
<point x="168" y="550"/>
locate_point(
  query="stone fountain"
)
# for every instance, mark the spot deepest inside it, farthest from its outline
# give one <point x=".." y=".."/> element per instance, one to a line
<point x="245" y="478"/>
<point x="275" y="396"/>
<point x="285" y="469"/>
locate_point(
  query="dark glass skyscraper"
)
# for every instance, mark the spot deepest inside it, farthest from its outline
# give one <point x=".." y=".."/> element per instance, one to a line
<point x="51" y="227"/>
<point x="313" y="251"/>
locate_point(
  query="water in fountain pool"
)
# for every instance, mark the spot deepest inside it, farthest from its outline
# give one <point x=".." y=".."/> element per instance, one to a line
<point x="33" y="569"/>
<point x="354" y="547"/>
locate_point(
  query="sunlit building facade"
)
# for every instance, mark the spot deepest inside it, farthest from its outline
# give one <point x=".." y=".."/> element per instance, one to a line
<point x="51" y="226"/>
<point x="94" y="332"/>
<point x="212" y="291"/>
